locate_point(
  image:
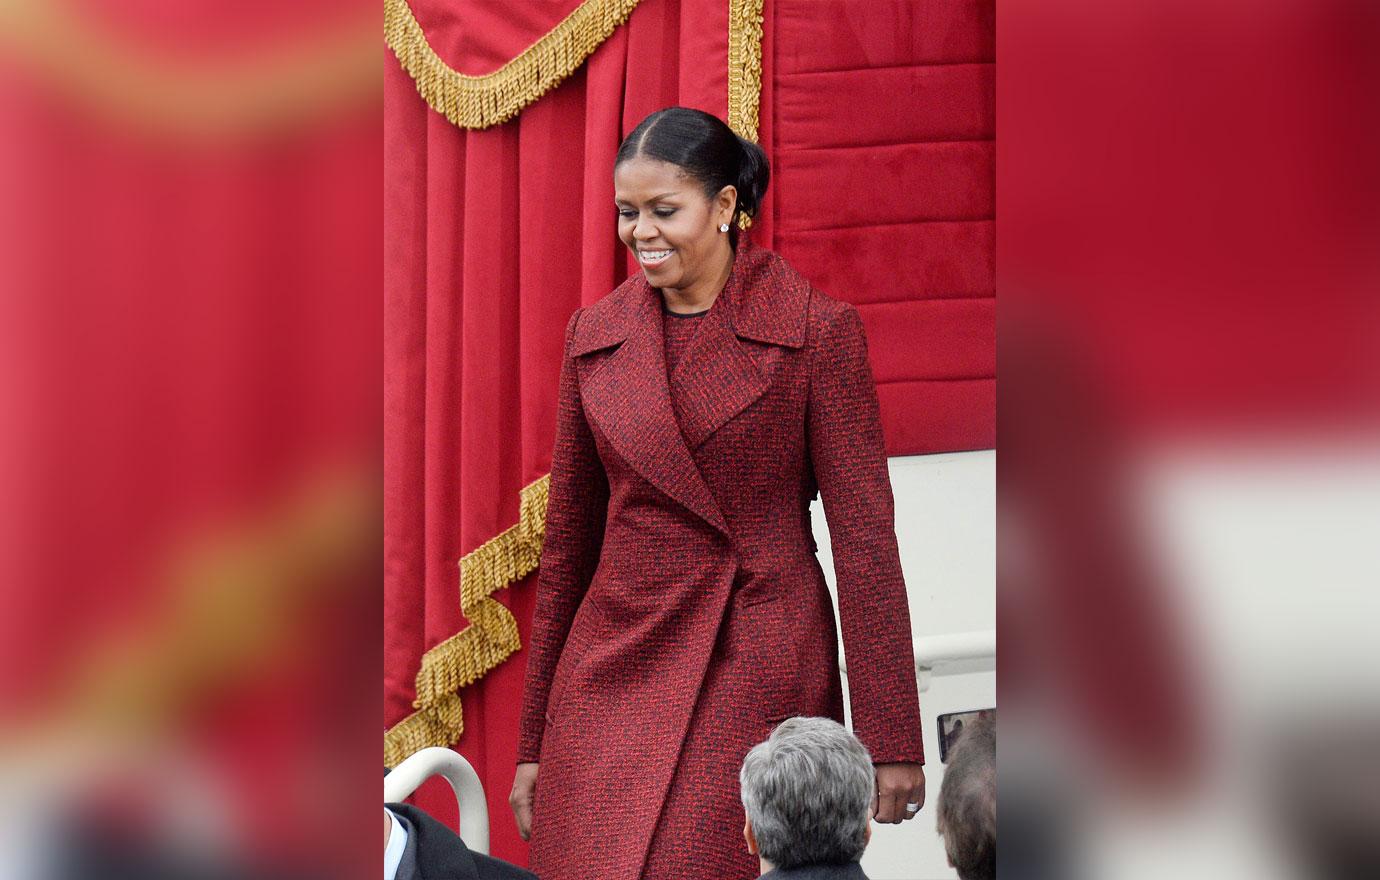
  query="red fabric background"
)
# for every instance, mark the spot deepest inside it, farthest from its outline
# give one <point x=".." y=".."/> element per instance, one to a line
<point x="477" y="37"/>
<point x="882" y="133"/>
<point x="494" y="237"/>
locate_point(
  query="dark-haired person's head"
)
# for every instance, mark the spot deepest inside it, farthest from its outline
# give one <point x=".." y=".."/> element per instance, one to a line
<point x="682" y="179"/>
<point x="807" y="792"/>
<point x="967" y="811"/>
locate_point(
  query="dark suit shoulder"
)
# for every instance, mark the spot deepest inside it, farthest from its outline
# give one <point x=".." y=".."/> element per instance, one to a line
<point x="847" y="871"/>
<point x="440" y="854"/>
<point x="497" y="869"/>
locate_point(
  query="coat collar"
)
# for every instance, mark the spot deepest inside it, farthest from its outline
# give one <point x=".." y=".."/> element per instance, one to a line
<point x="766" y="301"/>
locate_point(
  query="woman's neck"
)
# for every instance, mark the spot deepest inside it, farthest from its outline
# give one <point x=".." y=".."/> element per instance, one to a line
<point x="700" y="295"/>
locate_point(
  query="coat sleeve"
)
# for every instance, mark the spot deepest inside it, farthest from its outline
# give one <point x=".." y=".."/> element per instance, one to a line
<point x="849" y="460"/>
<point x="577" y="503"/>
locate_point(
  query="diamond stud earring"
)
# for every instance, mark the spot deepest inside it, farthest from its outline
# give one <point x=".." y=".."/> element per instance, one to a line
<point x="723" y="227"/>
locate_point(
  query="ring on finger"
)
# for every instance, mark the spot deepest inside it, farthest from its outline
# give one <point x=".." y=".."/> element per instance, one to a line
<point x="912" y="808"/>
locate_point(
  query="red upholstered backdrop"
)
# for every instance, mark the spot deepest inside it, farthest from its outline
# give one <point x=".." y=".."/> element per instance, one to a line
<point x="882" y="127"/>
<point x="878" y="118"/>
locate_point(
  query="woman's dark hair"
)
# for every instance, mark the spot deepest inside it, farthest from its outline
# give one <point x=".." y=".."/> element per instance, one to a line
<point x="708" y="151"/>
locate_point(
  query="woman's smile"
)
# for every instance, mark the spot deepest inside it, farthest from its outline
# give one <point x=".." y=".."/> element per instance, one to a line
<point x="650" y="259"/>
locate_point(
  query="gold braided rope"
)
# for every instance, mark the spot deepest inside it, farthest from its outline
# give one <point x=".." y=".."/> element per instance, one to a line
<point x="482" y="101"/>
<point x="491" y="637"/>
<point x="744" y="66"/>
<point x="744" y="71"/>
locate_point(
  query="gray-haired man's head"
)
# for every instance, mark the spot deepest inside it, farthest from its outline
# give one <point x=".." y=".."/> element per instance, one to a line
<point x="807" y="792"/>
<point x="967" y="813"/>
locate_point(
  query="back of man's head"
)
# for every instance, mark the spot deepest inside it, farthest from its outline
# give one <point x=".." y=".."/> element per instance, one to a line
<point x="807" y="791"/>
<point x="967" y="812"/>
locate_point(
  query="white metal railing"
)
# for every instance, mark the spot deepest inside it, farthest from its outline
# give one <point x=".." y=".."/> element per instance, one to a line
<point x="420" y="766"/>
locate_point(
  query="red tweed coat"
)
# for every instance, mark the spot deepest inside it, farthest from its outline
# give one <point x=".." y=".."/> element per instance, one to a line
<point x="681" y="611"/>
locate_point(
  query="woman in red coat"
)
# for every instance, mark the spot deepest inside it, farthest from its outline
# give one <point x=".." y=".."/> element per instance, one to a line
<point x="681" y="612"/>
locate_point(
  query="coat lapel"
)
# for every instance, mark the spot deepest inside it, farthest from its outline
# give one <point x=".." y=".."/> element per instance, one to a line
<point x="721" y="372"/>
<point x="627" y="396"/>
<point x="716" y="378"/>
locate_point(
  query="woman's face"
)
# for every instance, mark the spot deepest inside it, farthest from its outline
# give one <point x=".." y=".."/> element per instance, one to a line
<point x="669" y="224"/>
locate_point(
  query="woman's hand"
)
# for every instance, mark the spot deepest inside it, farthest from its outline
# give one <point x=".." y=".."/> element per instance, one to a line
<point x="524" y="793"/>
<point x="897" y="785"/>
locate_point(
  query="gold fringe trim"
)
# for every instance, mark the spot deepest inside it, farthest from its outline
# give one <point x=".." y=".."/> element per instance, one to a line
<point x="744" y="66"/>
<point x="491" y="637"/>
<point x="482" y="101"/>
<point x="744" y="71"/>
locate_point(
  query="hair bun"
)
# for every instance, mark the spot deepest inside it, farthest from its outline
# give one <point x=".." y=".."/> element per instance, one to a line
<point x="754" y="173"/>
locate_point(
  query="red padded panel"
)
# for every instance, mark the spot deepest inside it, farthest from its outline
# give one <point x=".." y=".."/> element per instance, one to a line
<point x="825" y="110"/>
<point x="881" y="132"/>
<point x="842" y="34"/>
<point x="922" y="260"/>
<point x="867" y="186"/>
<point x="944" y="339"/>
<point x="940" y="416"/>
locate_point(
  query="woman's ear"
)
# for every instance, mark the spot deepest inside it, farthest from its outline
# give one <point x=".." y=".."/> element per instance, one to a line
<point x="724" y="203"/>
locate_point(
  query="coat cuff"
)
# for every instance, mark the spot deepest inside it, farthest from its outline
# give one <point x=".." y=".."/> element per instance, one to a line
<point x="529" y="746"/>
<point x="893" y="747"/>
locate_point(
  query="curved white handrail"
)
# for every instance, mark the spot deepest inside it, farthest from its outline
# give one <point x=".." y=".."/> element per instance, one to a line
<point x="421" y="765"/>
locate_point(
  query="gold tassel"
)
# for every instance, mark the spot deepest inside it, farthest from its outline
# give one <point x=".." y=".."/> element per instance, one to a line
<point x="744" y="66"/>
<point x="744" y="71"/>
<point x="482" y="101"/>
<point x="491" y="637"/>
